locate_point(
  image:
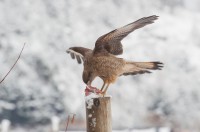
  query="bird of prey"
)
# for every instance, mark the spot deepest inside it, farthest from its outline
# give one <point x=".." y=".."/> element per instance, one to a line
<point x="102" y="61"/>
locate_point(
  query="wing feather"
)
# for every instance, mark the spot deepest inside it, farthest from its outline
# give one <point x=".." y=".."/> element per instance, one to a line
<point x="78" y="53"/>
<point x="72" y="55"/>
<point x="111" y="42"/>
<point x="78" y="58"/>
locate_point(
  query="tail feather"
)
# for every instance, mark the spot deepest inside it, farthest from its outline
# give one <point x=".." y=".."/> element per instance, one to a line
<point x="133" y="68"/>
<point x="149" y="65"/>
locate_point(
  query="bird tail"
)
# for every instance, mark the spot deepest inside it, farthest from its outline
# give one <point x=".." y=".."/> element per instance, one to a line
<point x="132" y="68"/>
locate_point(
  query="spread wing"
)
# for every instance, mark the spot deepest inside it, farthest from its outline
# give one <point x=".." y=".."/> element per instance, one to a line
<point x="78" y="53"/>
<point x="111" y="42"/>
<point x="133" y="68"/>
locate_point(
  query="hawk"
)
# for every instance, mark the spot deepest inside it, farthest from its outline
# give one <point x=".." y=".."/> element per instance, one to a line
<point x="102" y="61"/>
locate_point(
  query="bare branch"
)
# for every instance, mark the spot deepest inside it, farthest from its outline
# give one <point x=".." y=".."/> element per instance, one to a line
<point x="68" y="120"/>
<point x="13" y="64"/>
<point x="73" y="118"/>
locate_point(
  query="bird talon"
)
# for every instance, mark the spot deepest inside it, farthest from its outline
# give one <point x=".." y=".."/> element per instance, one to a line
<point x="103" y="93"/>
<point x="90" y="89"/>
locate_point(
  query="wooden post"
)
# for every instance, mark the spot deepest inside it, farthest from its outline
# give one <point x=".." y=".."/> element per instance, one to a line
<point x="98" y="114"/>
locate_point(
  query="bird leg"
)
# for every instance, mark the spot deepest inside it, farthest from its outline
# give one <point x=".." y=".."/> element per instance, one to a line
<point x="103" y="86"/>
<point x="104" y="92"/>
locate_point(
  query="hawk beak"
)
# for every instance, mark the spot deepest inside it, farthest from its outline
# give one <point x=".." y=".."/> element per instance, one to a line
<point x="88" y="83"/>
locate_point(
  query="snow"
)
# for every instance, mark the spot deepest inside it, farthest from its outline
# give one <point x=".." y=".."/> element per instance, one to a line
<point x="89" y="100"/>
<point x="162" y="129"/>
<point x="131" y="130"/>
<point x="46" y="82"/>
<point x="5" y="125"/>
<point x="90" y="115"/>
<point x="94" y="122"/>
<point x="55" y="123"/>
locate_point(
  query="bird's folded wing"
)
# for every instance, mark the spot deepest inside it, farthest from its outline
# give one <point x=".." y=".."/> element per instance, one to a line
<point x="111" y="42"/>
<point x="78" y="53"/>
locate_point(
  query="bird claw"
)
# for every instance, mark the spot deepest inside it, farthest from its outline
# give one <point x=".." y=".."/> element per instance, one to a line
<point x="103" y="93"/>
<point x="90" y="89"/>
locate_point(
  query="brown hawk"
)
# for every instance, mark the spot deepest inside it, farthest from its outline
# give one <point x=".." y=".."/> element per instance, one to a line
<point x="102" y="60"/>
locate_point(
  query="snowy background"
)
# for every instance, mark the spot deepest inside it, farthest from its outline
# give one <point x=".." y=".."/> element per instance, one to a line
<point x="46" y="82"/>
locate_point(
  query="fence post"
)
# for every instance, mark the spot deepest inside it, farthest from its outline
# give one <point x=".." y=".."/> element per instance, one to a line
<point x="5" y="125"/>
<point x="98" y="114"/>
<point x="55" y="122"/>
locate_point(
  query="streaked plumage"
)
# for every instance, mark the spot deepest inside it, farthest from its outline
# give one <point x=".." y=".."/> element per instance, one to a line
<point x="102" y="62"/>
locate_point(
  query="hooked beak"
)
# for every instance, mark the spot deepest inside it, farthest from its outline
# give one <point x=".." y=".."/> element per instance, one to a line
<point x="88" y="83"/>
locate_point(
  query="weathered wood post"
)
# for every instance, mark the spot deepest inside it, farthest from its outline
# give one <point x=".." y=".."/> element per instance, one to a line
<point x="98" y="114"/>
